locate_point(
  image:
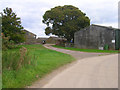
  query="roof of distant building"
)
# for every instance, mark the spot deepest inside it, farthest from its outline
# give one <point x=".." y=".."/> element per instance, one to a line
<point x="110" y="27"/>
<point x="29" y="32"/>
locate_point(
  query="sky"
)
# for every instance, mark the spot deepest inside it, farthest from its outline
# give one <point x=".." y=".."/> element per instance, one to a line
<point x="100" y="12"/>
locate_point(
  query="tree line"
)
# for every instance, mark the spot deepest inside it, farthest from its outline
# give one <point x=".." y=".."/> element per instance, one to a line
<point x="62" y="21"/>
<point x="12" y="30"/>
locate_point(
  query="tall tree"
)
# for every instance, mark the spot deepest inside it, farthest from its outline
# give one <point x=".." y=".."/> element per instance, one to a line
<point x="11" y="26"/>
<point x="64" y="21"/>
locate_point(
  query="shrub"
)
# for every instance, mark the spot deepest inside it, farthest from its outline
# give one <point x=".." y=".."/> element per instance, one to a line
<point x="17" y="59"/>
<point x="7" y="43"/>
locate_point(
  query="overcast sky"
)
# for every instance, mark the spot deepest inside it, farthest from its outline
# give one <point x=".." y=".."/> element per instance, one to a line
<point x="101" y="12"/>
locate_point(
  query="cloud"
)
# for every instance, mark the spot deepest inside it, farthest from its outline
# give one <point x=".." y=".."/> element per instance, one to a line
<point x="102" y="12"/>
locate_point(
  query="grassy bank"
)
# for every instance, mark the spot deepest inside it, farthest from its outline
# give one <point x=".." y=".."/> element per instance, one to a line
<point x="87" y="50"/>
<point x="45" y="61"/>
<point x="0" y="81"/>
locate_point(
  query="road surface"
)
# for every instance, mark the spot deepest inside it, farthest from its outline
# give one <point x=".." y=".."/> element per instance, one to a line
<point x="95" y="72"/>
<point x="91" y="70"/>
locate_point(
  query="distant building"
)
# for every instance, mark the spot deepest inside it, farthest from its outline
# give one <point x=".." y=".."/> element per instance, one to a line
<point x="51" y="40"/>
<point x="97" y="37"/>
<point x="41" y="39"/>
<point x="30" y="37"/>
<point x="55" y="40"/>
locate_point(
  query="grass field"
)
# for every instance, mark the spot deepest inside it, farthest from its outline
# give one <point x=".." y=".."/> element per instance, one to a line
<point x="46" y="61"/>
<point x="0" y="81"/>
<point x="87" y="50"/>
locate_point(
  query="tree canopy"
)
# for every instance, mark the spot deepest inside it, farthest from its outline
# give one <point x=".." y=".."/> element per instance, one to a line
<point x="11" y="26"/>
<point x="64" y="21"/>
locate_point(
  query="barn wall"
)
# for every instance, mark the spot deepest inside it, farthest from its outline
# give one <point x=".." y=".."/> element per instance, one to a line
<point x="94" y="37"/>
<point x="30" y="38"/>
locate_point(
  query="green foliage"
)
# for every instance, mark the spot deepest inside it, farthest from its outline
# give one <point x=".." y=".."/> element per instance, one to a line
<point x="19" y="58"/>
<point x="106" y="47"/>
<point x="9" y="60"/>
<point x="64" y="21"/>
<point x="43" y="61"/>
<point x="7" y="44"/>
<point x="0" y="81"/>
<point x="11" y="26"/>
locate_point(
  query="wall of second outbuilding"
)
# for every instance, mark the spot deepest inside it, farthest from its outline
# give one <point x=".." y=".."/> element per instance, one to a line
<point x="95" y="37"/>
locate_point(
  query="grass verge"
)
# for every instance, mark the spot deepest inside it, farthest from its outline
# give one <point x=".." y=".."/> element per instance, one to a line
<point x="47" y="60"/>
<point x="87" y="50"/>
<point x="0" y="82"/>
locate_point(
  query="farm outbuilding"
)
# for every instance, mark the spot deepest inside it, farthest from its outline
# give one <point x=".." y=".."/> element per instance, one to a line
<point x="41" y="39"/>
<point x="30" y="37"/>
<point x="97" y="37"/>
